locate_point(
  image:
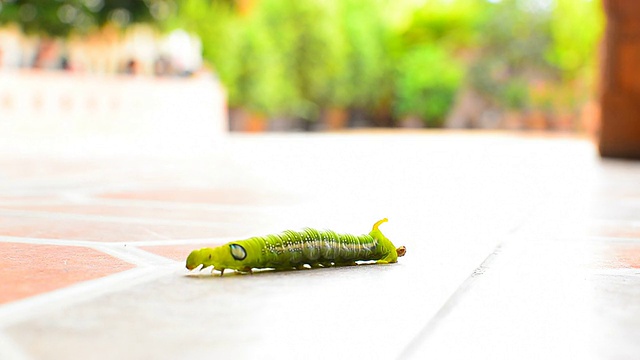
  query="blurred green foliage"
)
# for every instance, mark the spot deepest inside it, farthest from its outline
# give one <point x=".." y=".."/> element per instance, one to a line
<point x="307" y="52"/>
<point x="530" y="55"/>
<point x="426" y="84"/>
<point x="62" y="17"/>
<point x="394" y="59"/>
<point x="511" y="51"/>
<point x="368" y="68"/>
<point x="429" y="67"/>
<point x="576" y="27"/>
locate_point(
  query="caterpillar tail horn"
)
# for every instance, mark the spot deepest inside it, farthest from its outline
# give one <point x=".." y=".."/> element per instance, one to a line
<point x="377" y="224"/>
<point x="402" y="250"/>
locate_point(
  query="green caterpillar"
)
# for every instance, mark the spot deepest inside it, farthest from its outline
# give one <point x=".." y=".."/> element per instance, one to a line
<point x="295" y="249"/>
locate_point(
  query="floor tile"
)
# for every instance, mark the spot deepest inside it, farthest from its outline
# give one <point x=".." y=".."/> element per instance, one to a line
<point x="615" y="229"/>
<point x="542" y="300"/>
<point x="239" y="316"/>
<point x="34" y="168"/>
<point x="559" y="280"/>
<point x="210" y="196"/>
<point x="29" y="270"/>
<point x="106" y="231"/>
<point x="146" y="211"/>
<point x="620" y="255"/>
<point x="178" y="252"/>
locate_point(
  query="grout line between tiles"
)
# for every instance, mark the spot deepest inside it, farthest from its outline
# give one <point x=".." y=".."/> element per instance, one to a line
<point x="93" y="244"/>
<point x="190" y="205"/>
<point x="45" y="241"/>
<point x="10" y="350"/>
<point x="450" y="304"/>
<point x="617" y="272"/>
<point x="618" y="239"/>
<point x="590" y="238"/>
<point x="634" y="223"/>
<point x="135" y="256"/>
<point x="212" y="241"/>
<point x="116" y="219"/>
<point x="124" y="251"/>
<point x="15" y="312"/>
<point x="90" y="199"/>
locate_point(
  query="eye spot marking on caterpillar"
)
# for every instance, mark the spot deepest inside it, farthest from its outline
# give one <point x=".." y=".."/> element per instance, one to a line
<point x="309" y="248"/>
<point x="237" y="251"/>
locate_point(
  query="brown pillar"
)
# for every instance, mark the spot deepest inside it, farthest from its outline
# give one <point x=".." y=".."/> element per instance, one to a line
<point x="620" y="128"/>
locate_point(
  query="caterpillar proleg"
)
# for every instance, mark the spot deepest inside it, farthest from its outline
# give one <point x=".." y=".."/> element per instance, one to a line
<point x="295" y="249"/>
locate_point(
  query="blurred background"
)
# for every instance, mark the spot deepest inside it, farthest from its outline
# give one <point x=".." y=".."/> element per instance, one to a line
<point x="284" y="65"/>
<point x="128" y="139"/>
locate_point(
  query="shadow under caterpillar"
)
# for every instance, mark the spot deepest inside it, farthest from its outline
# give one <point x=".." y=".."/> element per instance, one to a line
<point x="297" y="249"/>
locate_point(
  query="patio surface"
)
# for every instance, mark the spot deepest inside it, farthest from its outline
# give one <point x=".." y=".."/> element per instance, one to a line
<point x="518" y="247"/>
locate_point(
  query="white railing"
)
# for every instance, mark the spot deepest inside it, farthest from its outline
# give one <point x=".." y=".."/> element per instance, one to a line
<point x="60" y="111"/>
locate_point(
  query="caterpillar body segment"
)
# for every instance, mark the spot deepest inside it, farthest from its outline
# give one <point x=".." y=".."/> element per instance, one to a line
<point x="298" y="249"/>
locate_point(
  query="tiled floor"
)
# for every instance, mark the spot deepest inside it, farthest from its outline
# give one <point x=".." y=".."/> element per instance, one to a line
<point x="518" y="247"/>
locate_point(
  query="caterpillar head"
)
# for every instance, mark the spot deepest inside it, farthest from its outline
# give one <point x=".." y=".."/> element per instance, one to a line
<point x="221" y="257"/>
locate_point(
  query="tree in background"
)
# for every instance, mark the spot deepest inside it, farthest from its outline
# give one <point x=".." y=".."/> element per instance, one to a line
<point x="378" y="59"/>
<point x="430" y="59"/>
<point x="512" y="52"/>
<point x="368" y="76"/>
<point x="60" y="18"/>
<point x="531" y="51"/>
<point x="576" y="29"/>
<point x="308" y="47"/>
